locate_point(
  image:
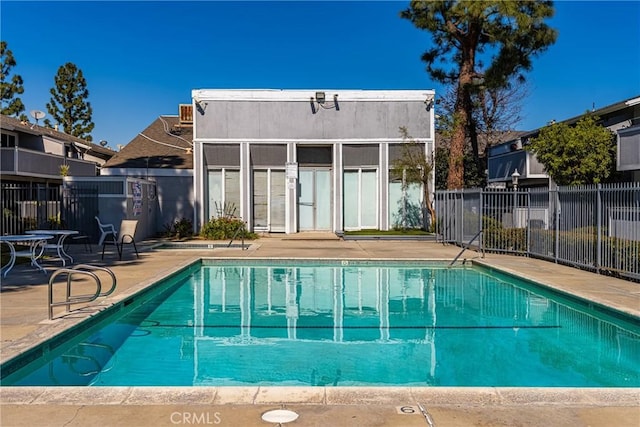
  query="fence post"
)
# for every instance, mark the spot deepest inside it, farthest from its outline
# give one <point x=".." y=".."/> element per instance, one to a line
<point x="598" y="227"/>
<point x="481" y="214"/>
<point x="556" y="249"/>
<point x="528" y="224"/>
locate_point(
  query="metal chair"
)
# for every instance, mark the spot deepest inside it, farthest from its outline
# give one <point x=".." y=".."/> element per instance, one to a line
<point x="127" y="236"/>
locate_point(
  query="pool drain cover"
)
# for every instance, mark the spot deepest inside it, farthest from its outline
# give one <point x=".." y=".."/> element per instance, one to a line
<point x="279" y="416"/>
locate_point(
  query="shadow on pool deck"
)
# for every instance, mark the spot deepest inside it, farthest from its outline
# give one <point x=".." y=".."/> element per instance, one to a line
<point x="24" y="323"/>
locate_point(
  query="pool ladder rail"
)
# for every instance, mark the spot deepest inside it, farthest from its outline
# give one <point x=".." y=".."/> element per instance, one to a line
<point x="468" y="245"/>
<point x="86" y="271"/>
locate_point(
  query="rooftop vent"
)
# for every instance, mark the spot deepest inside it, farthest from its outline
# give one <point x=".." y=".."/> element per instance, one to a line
<point x="186" y="114"/>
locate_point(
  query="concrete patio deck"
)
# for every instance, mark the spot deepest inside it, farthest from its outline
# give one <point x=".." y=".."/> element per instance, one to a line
<point x="24" y="323"/>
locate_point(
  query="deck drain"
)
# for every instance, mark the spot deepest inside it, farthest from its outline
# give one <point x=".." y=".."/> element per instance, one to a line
<point x="279" y="416"/>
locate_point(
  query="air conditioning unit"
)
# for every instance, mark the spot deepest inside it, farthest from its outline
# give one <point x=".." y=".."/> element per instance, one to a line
<point x="186" y="114"/>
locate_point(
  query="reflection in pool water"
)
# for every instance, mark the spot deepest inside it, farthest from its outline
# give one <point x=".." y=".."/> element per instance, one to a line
<point x="348" y="325"/>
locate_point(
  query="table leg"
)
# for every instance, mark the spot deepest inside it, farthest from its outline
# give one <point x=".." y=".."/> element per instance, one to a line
<point x="61" y="251"/>
<point x="35" y="257"/>
<point x="12" y="261"/>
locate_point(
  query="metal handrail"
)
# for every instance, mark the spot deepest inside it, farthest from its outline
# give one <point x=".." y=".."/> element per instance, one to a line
<point x="106" y="270"/>
<point x="82" y="269"/>
<point x="243" y="228"/>
<point x="465" y="247"/>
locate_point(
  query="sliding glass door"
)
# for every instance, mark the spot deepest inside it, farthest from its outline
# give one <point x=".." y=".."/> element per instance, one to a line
<point x="269" y="200"/>
<point x="360" y="199"/>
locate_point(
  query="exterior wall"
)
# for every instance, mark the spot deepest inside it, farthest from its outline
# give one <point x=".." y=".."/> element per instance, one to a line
<point x="629" y="149"/>
<point x="241" y="132"/>
<point x="175" y="199"/>
<point x="174" y="193"/>
<point x="267" y="120"/>
<point x="117" y="201"/>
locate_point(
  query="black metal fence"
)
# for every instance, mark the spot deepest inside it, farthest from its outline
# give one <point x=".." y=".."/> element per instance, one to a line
<point x="30" y="206"/>
<point x="591" y="227"/>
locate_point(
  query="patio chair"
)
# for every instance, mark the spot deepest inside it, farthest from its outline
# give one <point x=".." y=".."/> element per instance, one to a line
<point x="106" y="230"/>
<point x="82" y="237"/>
<point x="127" y="236"/>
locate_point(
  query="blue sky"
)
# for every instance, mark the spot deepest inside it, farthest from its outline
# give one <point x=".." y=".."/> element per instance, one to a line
<point x="142" y="59"/>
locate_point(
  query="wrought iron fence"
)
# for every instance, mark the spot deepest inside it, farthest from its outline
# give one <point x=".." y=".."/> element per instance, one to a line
<point x="591" y="227"/>
<point x="29" y="206"/>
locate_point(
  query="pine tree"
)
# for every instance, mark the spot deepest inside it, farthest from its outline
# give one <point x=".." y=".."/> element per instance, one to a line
<point x="507" y="33"/>
<point x="10" y="86"/>
<point x="68" y="105"/>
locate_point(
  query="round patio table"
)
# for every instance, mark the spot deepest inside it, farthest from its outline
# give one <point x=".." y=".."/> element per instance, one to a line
<point x="34" y="242"/>
<point x="59" y="245"/>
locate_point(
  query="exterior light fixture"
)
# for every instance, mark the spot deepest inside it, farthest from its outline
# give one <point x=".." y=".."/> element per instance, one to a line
<point x="201" y="105"/>
<point x="514" y="179"/>
<point x="320" y="100"/>
<point x="429" y="102"/>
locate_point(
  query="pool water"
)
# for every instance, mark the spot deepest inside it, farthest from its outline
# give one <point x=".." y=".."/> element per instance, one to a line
<point x="348" y="324"/>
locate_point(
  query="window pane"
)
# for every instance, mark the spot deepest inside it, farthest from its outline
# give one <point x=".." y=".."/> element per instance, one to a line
<point x="232" y="192"/>
<point x="215" y="193"/>
<point x="351" y="196"/>
<point x="396" y="205"/>
<point x="323" y="200"/>
<point x="278" y="190"/>
<point x="369" y="202"/>
<point x="413" y="209"/>
<point x="260" y="219"/>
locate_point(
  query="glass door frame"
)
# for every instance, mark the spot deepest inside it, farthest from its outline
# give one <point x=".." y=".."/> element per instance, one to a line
<point x="315" y="207"/>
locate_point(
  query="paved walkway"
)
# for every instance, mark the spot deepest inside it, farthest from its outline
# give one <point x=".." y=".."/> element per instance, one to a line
<point x="24" y="323"/>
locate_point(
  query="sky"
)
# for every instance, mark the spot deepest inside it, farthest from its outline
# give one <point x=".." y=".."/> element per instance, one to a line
<point x="142" y="59"/>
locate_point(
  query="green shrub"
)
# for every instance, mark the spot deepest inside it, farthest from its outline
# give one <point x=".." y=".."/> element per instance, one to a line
<point x="508" y="239"/>
<point x="179" y="229"/>
<point x="183" y="228"/>
<point x="225" y="228"/>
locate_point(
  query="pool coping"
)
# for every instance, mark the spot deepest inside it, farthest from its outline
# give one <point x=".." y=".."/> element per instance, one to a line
<point x="257" y="395"/>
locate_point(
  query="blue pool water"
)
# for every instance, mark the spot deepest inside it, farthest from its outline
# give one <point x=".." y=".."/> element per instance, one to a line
<point x="346" y="323"/>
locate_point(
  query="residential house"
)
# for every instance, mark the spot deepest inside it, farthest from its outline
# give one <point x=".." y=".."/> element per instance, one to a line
<point x="34" y="160"/>
<point x="161" y="154"/>
<point x="36" y="154"/>
<point x="305" y="160"/>
<point x="622" y="118"/>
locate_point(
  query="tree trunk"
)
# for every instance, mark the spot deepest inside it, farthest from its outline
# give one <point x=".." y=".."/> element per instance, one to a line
<point x="429" y="208"/>
<point x="455" y="180"/>
<point x="461" y="109"/>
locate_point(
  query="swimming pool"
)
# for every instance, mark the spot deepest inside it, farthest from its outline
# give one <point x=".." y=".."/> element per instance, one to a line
<point x="355" y="323"/>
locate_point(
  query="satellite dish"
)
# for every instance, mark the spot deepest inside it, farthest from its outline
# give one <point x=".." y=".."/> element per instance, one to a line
<point x="37" y="114"/>
<point x="103" y="143"/>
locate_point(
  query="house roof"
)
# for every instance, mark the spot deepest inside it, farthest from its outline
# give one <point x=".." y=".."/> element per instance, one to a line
<point x="485" y="140"/>
<point x="613" y="108"/>
<point x="164" y="144"/>
<point x="13" y="124"/>
<point x="610" y="111"/>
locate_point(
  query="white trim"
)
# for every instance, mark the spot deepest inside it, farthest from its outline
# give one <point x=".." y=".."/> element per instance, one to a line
<point x="633" y="101"/>
<point x="152" y="172"/>
<point x="283" y="141"/>
<point x="304" y="95"/>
